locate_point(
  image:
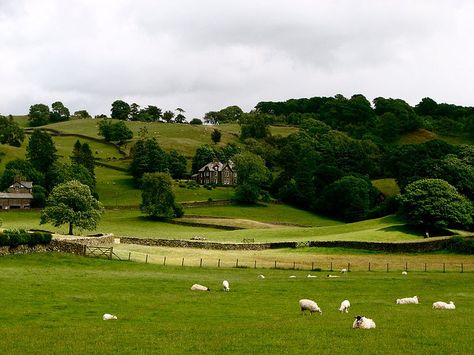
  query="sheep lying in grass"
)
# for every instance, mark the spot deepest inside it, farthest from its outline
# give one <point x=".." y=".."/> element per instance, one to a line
<point x="261" y="276"/>
<point x="310" y="276"/>
<point x="444" y="305"/>
<point x="108" y="316"/>
<point x="407" y="300"/>
<point x="197" y="287"/>
<point x="362" y="322"/>
<point x="345" y="305"/>
<point x="332" y="276"/>
<point x="404" y="273"/>
<point x="309" y="305"/>
<point x="343" y="270"/>
<point x="225" y="284"/>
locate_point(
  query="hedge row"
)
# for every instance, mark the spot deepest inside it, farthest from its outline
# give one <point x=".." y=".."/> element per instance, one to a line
<point x="15" y="237"/>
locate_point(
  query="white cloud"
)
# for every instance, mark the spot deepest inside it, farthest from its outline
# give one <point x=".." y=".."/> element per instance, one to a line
<point x="205" y="55"/>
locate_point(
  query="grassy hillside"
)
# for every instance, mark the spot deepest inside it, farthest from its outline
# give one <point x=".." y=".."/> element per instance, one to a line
<point x="55" y="303"/>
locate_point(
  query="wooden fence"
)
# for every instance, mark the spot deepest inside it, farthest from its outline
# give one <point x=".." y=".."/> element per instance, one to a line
<point x="100" y="252"/>
<point x="307" y="265"/>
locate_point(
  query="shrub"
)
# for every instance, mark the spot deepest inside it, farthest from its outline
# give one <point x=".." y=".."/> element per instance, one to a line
<point x="15" y="237"/>
<point x="460" y="245"/>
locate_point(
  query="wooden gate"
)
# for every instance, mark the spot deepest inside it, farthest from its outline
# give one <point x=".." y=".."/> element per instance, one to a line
<point x="100" y="252"/>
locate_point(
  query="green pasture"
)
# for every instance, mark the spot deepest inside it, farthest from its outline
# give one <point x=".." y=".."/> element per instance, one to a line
<point x="388" y="187"/>
<point x="54" y="304"/>
<point x="133" y="223"/>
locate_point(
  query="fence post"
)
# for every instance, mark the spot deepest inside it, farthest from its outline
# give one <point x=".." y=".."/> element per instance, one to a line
<point x="348" y="267"/>
<point x="237" y="263"/>
<point x="164" y="261"/>
<point x="182" y="262"/>
<point x="255" y="264"/>
<point x="146" y="259"/>
<point x="444" y="267"/>
<point x="129" y="255"/>
<point x="200" y="263"/>
<point x="84" y="249"/>
<point x="369" y="266"/>
<point x="111" y="252"/>
<point x="219" y="263"/>
<point x="331" y="265"/>
<point x="425" y="267"/>
<point x="312" y="266"/>
<point x="462" y="267"/>
<point x="294" y="265"/>
<point x="406" y="266"/>
<point x="275" y="264"/>
<point x="387" y="267"/>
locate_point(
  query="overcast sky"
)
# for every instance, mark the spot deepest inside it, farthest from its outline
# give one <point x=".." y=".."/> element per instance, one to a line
<point x="204" y="55"/>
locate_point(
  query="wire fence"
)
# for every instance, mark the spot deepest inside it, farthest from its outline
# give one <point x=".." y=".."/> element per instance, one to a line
<point x="306" y="265"/>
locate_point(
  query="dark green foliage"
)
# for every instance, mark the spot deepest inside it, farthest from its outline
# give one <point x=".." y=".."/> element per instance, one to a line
<point x="41" y="151"/>
<point x="176" y="164"/>
<point x="147" y="157"/>
<point x="158" y="197"/>
<point x="226" y="115"/>
<point x="461" y="245"/>
<point x="204" y="155"/>
<point x="168" y="116"/>
<point x="349" y="198"/>
<point x="59" y="112"/>
<point x="60" y="173"/>
<point x="15" y="237"/>
<point x="115" y="132"/>
<point x="39" y="196"/>
<point x="120" y="110"/>
<point x="82" y="114"/>
<point x="38" y="115"/>
<point x="216" y="136"/>
<point x="253" y="177"/>
<point x="82" y="155"/>
<point x="23" y="168"/>
<point x="10" y="132"/>
<point x="254" y="126"/>
<point x="434" y="204"/>
<point x="196" y="121"/>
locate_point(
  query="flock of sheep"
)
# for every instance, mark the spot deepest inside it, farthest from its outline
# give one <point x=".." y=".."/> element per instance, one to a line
<point x="360" y="322"/>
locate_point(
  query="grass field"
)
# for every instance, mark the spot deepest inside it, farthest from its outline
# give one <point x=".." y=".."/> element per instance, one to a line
<point x="54" y="304"/>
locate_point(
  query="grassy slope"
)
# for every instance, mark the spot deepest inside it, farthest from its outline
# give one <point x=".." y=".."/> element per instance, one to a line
<point x="59" y="301"/>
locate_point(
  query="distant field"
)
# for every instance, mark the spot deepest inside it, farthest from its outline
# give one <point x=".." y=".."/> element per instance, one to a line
<point x="422" y="135"/>
<point x="388" y="187"/>
<point x="56" y="302"/>
<point x="133" y="223"/>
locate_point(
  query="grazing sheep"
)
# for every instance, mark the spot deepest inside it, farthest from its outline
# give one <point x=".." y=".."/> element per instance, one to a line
<point x="108" y="316"/>
<point x="225" y="284"/>
<point x="309" y="275"/>
<point x="344" y="270"/>
<point x="292" y="276"/>
<point x="361" y="322"/>
<point x="309" y="305"/>
<point x="261" y="276"/>
<point x="444" y="305"/>
<point x="332" y="276"/>
<point x="404" y="273"/>
<point x="197" y="287"/>
<point x="345" y="306"/>
<point x="407" y="300"/>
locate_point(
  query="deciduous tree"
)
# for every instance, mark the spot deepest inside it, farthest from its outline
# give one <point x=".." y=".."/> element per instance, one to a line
<point x="158" y="197"/>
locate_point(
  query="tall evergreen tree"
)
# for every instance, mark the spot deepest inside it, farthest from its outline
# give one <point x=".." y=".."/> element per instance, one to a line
<point x="41" y="151"/>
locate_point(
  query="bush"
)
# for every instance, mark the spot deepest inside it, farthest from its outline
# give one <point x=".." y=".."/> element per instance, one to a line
<point x="460" y="245"/>
<point x="15" y="237"/>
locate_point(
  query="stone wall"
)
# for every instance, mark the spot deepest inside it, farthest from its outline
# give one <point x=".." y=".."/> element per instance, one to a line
<point x="405" y="247"/>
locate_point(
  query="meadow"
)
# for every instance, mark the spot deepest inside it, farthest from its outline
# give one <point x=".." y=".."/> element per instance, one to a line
<point x="54" y="303"/>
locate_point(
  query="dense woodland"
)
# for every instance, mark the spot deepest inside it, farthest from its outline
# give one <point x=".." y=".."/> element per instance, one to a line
<point x="326" y="166"/>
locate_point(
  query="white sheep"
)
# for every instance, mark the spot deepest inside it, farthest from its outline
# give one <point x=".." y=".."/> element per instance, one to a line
<point x="404" y="273"/>
<point x="309" y="305"/>
<point x="261" y="276"/>
<point x="407" y="300"/>
<point x="362" y="322"/>
<point x="108" y="316"/>
<point x="292" y="277"/>
<point x="343" y="270"/>
<point x="444" y="305"/>
<point x="309" y="275"/>
<point x="345" y="305"/>
<point x="197" y="287"/>
<point x="332" y="276"/>
<point x="225" y="284"/>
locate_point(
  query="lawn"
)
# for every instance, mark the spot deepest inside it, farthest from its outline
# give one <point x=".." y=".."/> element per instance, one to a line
<point x="54" y="304"/>
<point x="133" y="223"/>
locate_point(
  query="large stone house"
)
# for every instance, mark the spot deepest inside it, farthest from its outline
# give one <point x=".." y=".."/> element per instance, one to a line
<point x="18" y="195"/>
<point x="217" y="173"/>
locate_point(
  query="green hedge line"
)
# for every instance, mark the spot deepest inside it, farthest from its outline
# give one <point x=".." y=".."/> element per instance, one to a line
<point x="15" y="237"/>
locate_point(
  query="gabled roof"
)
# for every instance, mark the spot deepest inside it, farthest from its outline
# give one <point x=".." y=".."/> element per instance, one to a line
<point x="217" y="165"/>
<point x="25" y="184"/>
